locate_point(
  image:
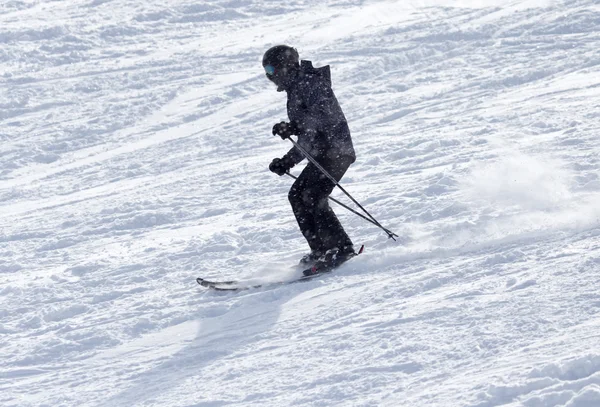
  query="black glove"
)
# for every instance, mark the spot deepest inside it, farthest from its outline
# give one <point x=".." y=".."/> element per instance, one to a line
<point x="280" y="165"/>
<point x="285" y="130"/>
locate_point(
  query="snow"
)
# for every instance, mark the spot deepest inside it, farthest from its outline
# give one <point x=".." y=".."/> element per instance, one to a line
<point x="135" y="146"/>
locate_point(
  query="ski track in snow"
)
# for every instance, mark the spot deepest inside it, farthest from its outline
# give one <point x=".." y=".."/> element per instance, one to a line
<point x="135" y="137"/>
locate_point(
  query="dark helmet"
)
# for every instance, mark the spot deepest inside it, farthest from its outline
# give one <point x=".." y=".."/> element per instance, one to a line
<point x="281" y="56"/>
<point x="280" y="63"/>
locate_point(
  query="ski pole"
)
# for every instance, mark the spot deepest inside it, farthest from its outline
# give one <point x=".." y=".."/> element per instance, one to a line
<point x="310" y="158"/>
<point x="350" y="209"/>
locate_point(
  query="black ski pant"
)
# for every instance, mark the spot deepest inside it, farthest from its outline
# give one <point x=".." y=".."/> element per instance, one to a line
<point x="308" y="197"/>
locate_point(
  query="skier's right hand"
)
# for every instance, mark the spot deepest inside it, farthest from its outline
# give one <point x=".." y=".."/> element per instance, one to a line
<point x="285" y="130"/>
<point x="280" y="166"/>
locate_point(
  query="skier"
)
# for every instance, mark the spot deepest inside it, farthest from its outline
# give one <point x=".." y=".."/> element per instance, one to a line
<point x="316" y="117"/>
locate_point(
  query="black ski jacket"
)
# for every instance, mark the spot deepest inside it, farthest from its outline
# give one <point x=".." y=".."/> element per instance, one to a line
<point x="322" y="127"/>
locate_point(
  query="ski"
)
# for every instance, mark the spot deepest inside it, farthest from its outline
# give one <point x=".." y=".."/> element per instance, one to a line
<point x="208" y="283"/>
<point x="318" y="269"/>
<point x="234" y="285"/>
<point x="238" y="285"/>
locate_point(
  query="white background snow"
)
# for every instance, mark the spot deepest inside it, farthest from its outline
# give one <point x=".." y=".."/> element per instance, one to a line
<point x="134" y="146"/>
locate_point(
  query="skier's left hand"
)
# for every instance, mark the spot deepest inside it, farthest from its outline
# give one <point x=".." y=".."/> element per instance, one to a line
<point x="285" y="130"/>
<point x="280" y="166"/>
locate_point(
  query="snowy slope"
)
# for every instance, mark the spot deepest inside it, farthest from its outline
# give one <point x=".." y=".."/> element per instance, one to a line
<point x="135" y="145"/>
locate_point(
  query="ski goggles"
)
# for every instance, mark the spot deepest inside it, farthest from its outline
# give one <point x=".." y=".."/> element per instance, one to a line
<point x="270" y="71"/>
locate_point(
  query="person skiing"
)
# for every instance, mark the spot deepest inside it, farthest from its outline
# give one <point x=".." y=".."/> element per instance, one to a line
<point x="316" y="117"/>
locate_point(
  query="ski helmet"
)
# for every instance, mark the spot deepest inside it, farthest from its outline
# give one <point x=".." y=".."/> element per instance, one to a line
<point x="280" y="59"/>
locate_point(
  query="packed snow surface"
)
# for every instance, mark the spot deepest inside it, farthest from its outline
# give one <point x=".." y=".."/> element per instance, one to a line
<point x="135" y="140"/>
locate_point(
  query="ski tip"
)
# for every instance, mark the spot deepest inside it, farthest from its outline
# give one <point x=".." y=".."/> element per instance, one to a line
<point x="362" y="249"/>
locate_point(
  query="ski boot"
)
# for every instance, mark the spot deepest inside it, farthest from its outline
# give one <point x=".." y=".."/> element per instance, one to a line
<point x="310" y="258"/>
<point x="330" y="260"/>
